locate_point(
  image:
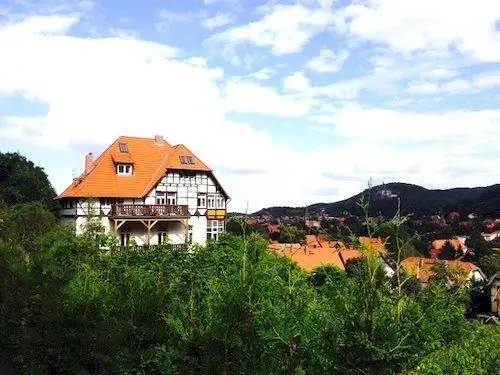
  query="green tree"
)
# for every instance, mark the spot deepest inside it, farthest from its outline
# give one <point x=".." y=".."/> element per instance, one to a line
<point x="449" y="252"/>
<point x="478" y="353"/>
<point x="490" y="264"/>
<point x="291" y="234"/>
<point x="26" y="224"/>
<point x="23" y="182"/>
<point x="480" y="246"/>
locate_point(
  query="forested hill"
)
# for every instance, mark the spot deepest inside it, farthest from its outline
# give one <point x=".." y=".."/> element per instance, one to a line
<point x="414" y="199"/>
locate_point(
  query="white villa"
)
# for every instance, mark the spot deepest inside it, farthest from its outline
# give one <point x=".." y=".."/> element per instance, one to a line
<point x="149" y="191"/>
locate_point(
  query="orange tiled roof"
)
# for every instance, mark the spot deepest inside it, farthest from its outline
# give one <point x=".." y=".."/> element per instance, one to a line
<point x="438" y="244"/>
<point x="150" y="161"/>
<point x="373" y="243"/>
<point x="422" y="267"/>
<point x="312" y="241"/>
<point x="309" y="258"/>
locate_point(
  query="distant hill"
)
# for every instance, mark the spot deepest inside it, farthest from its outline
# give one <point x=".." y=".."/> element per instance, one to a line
<point x="414" y="199"/>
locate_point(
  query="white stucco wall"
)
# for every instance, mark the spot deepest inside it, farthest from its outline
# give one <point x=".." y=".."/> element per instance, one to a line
<point x="199" y="229"/>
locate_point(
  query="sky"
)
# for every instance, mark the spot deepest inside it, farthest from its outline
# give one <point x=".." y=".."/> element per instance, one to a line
<point x="289" y="102"/>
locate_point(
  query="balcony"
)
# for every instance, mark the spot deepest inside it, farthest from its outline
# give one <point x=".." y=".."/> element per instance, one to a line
<point x="141" y="211"/>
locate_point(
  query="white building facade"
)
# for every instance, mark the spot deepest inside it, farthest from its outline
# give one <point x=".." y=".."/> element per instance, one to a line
<point x="181" y="201"/>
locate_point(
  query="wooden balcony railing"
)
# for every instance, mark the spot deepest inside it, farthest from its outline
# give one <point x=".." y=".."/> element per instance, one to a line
<point x="148" y="210"/>
<point x="174" y="247"/>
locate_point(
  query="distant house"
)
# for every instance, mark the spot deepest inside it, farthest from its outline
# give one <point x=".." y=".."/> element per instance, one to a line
<point x="437" y="245"/>
<point x="313" y="224"/>
<point x="251" y="221"/>
<point x="373" y="243"/>
<point x="438" y="219"/>
<point x="491" y="236"/>
<point x="422" y="269"/>
<point x="273" y="228"/>
<point x="316" y="252"/>
<point x="495" y="294"/>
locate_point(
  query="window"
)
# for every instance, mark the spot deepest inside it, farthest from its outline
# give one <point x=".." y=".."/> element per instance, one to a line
<point x="162" y="238"/>
<point x="187" y="178"/>
<point x="220" y="201"/>
<point x="202" y="200"/>
<point x="211" y="200"/>
<point x="106" y="201"/>
<point x="67" y="203"/>
<point x="190" y="234"/>
<point x="124" y="239"/>
<point x="124" y="169"/>
<point x="160" y="197"/>
<point x="123" y="147"/>
<point x="171" y="198"/>
<point x="186" y="159"/>
<point x="214" y="228"/>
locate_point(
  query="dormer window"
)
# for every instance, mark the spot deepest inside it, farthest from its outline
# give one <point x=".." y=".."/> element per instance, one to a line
<point x="186" y="159"/>
<point x="123" y="147"/>
<point x="124" y="169"/>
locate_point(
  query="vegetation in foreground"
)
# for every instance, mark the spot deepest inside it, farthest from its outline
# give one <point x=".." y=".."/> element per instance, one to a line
<point x="231" y="307"/>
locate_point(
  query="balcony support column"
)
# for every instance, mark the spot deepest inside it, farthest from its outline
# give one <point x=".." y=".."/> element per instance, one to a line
<point x="149" y="224"/>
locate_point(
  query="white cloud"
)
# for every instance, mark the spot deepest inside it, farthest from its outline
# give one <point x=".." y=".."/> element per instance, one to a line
<point x="40" y="25"/>
<point x="221" y="19"/>
<point x="474" y="84"/>
<point x="422" y="87"/>
<point x="263" y="74"/>
<point x="250" y="97"/>
<point x="296" y="82"/>
<point x="285" y="29"/>
<point x="379" y="124"/>
<point x="408" y="25"/>
<point x="328" y="61"/>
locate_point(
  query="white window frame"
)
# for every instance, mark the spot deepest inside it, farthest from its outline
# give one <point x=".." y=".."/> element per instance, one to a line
<point x="67" y="204"/>
<point x="124" y="238"/>
<point x="211" y="200"/>
<point x="220" y="201"/>
<point x="214" y="229"/>
<point x="106" y="202"/>
<point x="162" y="237"/>
<point x="190" y="234"/>
<point x="160" y="197"/>
<point x="171" y="198"/>
<point x="202" y="200"/>
<point x="124" y="169"/>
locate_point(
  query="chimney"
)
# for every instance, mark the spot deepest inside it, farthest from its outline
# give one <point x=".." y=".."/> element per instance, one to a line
<point x="159" y="139"/>
<point x="89" y="161"/>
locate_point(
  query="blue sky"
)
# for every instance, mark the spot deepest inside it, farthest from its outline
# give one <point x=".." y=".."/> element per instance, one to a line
<point x="290" y="102"/>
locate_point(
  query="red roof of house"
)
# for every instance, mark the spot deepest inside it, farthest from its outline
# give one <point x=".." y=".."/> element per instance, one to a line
<point x="422" y="268"/>
<point x="150" y="158"/>
<point x="309" y="257"/>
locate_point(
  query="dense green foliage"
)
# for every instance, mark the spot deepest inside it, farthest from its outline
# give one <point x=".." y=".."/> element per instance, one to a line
<point x="22" y="182"/>
<point x="477" y="353"/>
<point x="231" y="307"/>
